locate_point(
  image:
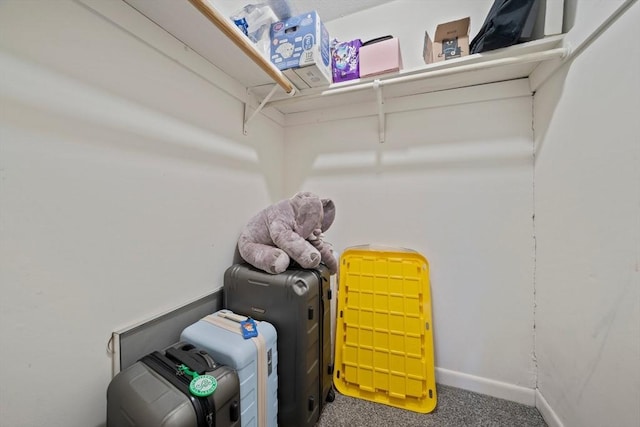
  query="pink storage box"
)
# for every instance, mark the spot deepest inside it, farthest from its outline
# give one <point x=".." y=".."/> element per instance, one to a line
<point x="380" y="56"/>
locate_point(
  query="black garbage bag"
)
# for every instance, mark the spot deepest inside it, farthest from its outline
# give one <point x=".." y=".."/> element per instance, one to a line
<point x="503" y="25"/>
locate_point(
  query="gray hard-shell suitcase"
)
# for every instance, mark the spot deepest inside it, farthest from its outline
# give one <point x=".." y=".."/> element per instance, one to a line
<point x="297" y="303"/>
<point x="160" y="390"/>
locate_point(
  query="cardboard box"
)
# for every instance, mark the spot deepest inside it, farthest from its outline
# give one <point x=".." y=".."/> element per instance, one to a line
<point x="301" y="44"/>
<point x="380" y="57"/>
<point x="345" y="61"/>
<point x="451" y="40"/>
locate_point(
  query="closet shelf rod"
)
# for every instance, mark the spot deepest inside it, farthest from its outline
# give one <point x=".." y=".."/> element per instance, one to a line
<point x="234" y="34"/>
<point x="574" y="51"/>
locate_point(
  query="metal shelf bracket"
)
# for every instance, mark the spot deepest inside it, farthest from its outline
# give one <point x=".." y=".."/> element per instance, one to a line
<point x="377" y="86"/>
<point x="248" y="117"/>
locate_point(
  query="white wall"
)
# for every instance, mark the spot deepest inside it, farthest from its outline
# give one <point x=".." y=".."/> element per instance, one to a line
<point x="455" y="184"/>
<point x="587" y="198"/>
<point x="124" y="181"/>
<point x="125" y="178"/>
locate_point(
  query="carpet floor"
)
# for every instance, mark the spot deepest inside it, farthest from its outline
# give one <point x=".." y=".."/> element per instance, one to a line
<point x="456" y="407"/>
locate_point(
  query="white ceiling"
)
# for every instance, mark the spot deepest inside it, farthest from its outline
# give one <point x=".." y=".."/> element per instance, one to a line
<point x="327" y="9"/>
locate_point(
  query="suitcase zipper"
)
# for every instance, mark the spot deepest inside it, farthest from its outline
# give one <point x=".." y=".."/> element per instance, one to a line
<point x="169" y="371"/>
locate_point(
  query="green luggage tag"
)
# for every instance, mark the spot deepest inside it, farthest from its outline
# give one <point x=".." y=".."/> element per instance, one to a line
<point x="201" y="385"/>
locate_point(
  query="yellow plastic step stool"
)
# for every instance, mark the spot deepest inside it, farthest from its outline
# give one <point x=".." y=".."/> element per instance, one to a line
<point x="384" y="332"/>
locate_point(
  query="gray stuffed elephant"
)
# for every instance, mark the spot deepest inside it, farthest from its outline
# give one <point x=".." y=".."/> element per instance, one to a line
<point x="291" y="229"/>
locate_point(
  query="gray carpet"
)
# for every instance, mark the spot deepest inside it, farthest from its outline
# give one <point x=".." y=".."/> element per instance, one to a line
<point x="456" y="407"/>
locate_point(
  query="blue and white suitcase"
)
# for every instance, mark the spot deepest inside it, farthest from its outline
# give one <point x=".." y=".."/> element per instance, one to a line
<point x="255" y="359"/>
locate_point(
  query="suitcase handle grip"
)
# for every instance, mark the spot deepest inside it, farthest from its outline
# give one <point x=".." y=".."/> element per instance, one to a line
<point x="311" y="403"/>
<point x="188" y="358"/>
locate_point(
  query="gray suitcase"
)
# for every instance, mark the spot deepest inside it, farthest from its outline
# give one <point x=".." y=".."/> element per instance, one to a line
<point x="297" y="303"/>
<point x="160" y="390"/>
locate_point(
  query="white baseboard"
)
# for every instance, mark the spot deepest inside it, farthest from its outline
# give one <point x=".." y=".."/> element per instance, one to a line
<point x="550" y="417"/>
<point x="501" y="390"/>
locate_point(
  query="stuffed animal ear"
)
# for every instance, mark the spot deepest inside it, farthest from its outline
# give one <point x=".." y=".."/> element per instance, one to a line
<point x="307" y="208"/>
<point x="329" y="210"/>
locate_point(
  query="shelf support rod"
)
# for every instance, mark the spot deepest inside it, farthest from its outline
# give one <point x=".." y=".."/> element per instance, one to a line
<point x="377" y="86"/>
<point x="236" y="36"/>
<point x="574" y="51"/>
<point x="560" y="52"/>
<point x="245" y="127"/>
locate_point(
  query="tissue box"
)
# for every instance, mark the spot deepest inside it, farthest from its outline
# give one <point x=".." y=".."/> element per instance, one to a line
<point x="451" y="40"/>
<point x="301" y="44"/>
<point x="345" y="64"/>
<point x="380" y="56"/>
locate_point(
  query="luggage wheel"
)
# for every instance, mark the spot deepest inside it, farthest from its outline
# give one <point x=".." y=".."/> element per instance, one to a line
<point x="331" y="396"/>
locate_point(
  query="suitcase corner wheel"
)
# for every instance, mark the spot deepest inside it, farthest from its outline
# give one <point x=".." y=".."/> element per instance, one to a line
<point x="331" y="396"/>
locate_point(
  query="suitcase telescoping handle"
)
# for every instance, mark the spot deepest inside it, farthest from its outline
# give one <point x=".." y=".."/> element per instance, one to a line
<point x="232" y="316"/>
<point x="248" y="326"/>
